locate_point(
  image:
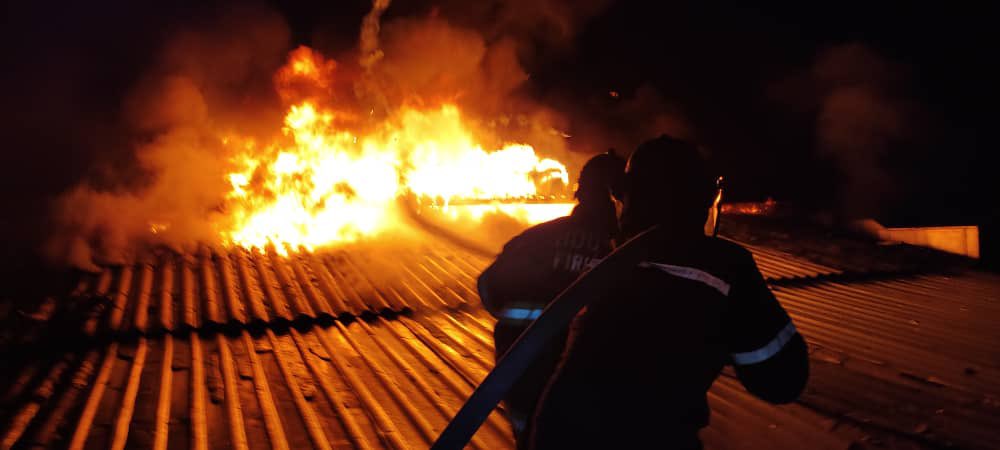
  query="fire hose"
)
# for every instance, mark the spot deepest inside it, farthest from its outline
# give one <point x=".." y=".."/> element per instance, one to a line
<point x="591" y="285"/>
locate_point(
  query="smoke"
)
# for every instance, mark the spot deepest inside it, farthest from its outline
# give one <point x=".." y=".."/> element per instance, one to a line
<point x="867" y="124"/>
<point x="493" y="45"/>
<point x="218" y="74"/>
<point x="479" y="55"/>
<point x="369" y="88"/>
<point x="856" y="128"/>
<point x="864" y="115"/>
<point x="533" y="24"/>
<point x="430" y="59"/>
<point x="207" y="78"/>
<point x="368" y="42"/>
<point x="623" y="120"/>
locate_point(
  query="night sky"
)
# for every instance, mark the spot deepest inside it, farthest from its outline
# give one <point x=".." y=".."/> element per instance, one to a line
<point x="743" y="79"/>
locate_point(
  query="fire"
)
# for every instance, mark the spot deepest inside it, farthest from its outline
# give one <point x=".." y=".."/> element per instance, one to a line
<point x="329" y="178"/>
<point x="524" y="212"/>
<point x="751" y="208"/>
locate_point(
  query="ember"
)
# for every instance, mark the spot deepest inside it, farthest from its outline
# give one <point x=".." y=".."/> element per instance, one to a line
<point x="751" y="208"/>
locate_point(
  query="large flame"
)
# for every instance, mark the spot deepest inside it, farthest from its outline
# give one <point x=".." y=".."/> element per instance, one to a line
<point x="329" y="179"/>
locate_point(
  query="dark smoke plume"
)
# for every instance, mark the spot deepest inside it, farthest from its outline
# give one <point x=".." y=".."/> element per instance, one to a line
<point x="207" y="78"/>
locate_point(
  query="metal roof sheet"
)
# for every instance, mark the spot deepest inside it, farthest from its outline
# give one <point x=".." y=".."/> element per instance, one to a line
<point x="245" y="350"/>
<point x="917" y="356"/>
<point x="778" y="265"/>
<point x="169" y="292"/>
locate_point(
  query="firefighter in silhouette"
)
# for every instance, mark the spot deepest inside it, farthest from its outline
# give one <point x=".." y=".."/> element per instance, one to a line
<point x="538" y="264"/>
<point x="638" y="364"/>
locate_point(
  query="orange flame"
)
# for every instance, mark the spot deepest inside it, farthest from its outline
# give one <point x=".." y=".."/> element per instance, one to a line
<point x="325" y="183"/>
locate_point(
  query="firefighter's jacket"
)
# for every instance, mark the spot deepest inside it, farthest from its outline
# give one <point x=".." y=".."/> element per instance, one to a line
<point x="638" y="363"/>
<point x="533" y="268"/>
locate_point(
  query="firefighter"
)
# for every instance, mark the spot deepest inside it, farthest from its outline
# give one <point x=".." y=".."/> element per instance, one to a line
<point x="538" y="264"/>
<point x="638" y="364"/>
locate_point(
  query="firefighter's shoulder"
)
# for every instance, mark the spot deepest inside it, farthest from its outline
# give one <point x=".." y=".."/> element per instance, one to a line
<point x="717" y="263"/>
<point x="729" y="260"/>
<point x="542" y="233"/>
<point x="726" y="248"/>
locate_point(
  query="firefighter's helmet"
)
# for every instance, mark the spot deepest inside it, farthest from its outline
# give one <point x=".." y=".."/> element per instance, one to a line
<point x="602" y="173"/>
<point x="668" y="171"/>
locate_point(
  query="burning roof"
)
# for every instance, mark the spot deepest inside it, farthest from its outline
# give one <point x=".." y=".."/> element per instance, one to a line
<point x="338" y="175"/>
<point x="328" y="154"/>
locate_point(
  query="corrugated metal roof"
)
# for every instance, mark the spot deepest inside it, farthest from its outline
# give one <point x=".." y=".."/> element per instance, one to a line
<point x="778" y="265"/>
<point x="918" y="356"/>
<point x="377" y="347"/>
<point x="171" y="292"/>
<point x="358" y="384"/>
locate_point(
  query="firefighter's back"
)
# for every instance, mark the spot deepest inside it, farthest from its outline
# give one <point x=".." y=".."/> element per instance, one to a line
<point x="638" y="364"/>
<point x="531" y="270"/>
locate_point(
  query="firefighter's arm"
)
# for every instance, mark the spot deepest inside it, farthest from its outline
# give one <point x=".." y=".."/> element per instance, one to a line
<point x="491" y="297"/>
<point x="781" y="378"/>
<point x="514" y="275"/>
<point x="770" y="356"/>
